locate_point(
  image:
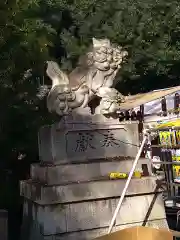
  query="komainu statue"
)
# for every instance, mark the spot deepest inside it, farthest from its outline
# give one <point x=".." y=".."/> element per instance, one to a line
<point x="94" y="76"/>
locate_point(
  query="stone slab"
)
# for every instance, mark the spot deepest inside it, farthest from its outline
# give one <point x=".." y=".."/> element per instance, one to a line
<point x="83" y="141"/>
<point x="59" y="174"/>
<point x="85" y="190"/>
<point x="55" y="219"/>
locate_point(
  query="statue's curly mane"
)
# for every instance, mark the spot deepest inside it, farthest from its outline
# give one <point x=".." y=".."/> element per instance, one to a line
<point x="85" y="64"/>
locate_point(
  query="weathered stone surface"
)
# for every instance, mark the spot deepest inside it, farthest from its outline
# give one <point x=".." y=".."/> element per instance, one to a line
<point x="44" y="219"/>
<point x="83" y="141"/>
<point x="85" y="191"/>
<point x="32" y="230"/>
<point x="82" y="172"/>
<point x="59" y="218"/>
<point x="129" y="210"/>
<point x="36" y="234"/>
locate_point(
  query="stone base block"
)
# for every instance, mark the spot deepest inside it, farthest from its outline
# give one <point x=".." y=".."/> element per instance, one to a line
<point x="61" y="174"/>
<point x="44" y="195"/>
<point x="79" y="141"/>
<point x="35" y="233"/>
<point x="58" y="219"/>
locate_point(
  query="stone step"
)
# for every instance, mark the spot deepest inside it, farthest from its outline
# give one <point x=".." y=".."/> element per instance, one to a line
<point x="56" y="219"/>
<point x="91" y="234"/>
<point x="75" y="192"/>
<point x="58" y="174"/>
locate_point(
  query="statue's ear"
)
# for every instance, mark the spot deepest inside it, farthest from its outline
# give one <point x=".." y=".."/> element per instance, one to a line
<point x="95" y="42"/>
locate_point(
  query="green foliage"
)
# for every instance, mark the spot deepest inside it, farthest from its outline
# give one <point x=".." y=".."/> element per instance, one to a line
<point x="149" y="30"/>
<point x="33" y="31"/>
<point x="24" y="42"/>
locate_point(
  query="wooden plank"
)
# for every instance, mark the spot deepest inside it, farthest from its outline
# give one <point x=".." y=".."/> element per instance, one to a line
<point x="167" y="146"/>
<point x="167" y="163"/>
<point x="175" y="233"/>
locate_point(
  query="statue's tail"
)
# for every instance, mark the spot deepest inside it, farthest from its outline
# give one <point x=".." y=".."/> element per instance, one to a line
<point x="57" y="76"/>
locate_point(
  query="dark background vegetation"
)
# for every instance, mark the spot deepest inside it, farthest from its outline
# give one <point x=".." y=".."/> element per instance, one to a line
<point x="33" y="31"/>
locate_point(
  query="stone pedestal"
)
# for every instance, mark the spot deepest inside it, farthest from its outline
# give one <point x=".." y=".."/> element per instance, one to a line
<point x="86" y="139"/>
<point x="69" y="195"/>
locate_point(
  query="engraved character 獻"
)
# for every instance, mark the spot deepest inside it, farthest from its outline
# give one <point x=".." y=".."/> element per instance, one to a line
<point x="84" y="142"/>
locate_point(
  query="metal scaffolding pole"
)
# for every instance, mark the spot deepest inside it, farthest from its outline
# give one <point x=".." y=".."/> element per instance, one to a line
<point x="127" y="184"/>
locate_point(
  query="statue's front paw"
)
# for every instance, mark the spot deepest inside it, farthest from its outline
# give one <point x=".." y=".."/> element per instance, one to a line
<point x="108" y="107"/>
